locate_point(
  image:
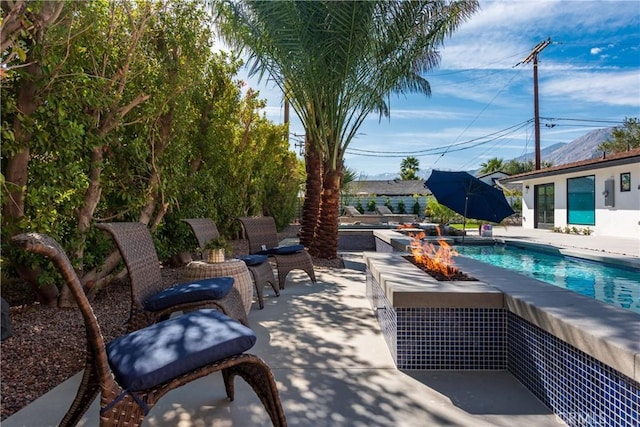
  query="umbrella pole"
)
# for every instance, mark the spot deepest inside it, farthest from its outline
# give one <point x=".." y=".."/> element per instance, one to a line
<point x="464" y="218"/>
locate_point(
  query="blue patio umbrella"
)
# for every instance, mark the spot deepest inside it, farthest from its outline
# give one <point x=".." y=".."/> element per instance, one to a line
<point x="468" y="196"/>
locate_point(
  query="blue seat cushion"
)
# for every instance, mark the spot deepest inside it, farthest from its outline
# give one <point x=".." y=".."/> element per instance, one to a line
<point x="201" y="290"/>
<point x="253" y="259"/>
<point x="165" y="350"/>
<point x="282" y="250"/>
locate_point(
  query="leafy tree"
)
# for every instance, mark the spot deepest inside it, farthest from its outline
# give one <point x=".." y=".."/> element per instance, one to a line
<point x="514" y="167"/>
<point x="337" y="62"/>
<point x="150" y="126"/>
<point x="623" y="138"/>
<point x="492" y="165"/>
<point x="409" y="168"/>
<point x="23" y="39"/>
<point x="439" y="212"/>
<point x="350" y="176"/>
<point x="401" y="207"/>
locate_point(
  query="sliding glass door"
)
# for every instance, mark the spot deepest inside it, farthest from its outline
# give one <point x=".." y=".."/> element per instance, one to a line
<point x="544" y="206"/>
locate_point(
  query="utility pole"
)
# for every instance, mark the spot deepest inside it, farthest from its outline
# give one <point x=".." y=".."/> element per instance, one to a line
<point x="533" y="56"/>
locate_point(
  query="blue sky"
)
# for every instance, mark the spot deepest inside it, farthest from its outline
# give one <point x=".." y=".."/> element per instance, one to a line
<point x="482" y="106"/>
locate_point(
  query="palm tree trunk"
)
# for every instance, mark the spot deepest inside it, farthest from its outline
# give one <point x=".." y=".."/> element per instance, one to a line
<point x="325" y="245"/>
<point x="311" y="206"/>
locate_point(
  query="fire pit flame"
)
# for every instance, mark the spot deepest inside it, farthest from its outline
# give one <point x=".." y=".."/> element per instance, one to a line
<point x="439" y="260"/>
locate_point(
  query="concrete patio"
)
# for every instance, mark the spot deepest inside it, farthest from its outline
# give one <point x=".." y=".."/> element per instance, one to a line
<point x="333" y="368"/>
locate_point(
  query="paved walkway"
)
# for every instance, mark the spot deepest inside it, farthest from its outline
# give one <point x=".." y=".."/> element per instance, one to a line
<point x="333" y="369"/>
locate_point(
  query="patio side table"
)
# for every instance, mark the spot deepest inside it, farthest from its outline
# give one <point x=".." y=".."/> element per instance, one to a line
<point x="229" y="268"/>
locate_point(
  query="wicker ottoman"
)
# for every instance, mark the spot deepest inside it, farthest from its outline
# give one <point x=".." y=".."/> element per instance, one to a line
<point x="230" y="268"/>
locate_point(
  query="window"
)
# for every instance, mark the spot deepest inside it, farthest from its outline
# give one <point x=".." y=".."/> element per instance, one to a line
<point x="625" y="181"/>
<point x="581" y="200"/>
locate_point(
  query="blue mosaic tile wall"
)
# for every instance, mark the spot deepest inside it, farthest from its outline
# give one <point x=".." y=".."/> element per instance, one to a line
<point x="581" y="390"/>
<point x="386" y="315"/>
<point x="451" y="338"/>
<point x="441" y="338"/>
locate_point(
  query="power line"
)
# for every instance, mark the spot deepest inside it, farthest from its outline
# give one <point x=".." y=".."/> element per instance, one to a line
<point x="461" y="146"/>
<point x="474" y="142"/>
<point x="426" y="150"/>
<point x="584" y="120"/>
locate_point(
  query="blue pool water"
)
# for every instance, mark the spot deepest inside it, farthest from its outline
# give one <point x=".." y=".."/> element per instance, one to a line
<point x="616" y="286"/>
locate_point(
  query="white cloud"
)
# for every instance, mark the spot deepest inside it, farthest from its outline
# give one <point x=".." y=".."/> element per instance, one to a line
<point x="615" y="89"/>
<point x="595" y="50"/>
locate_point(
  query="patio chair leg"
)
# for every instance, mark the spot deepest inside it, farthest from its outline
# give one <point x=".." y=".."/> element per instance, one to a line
<point x="259" y="292"/>
<point x="87" y="392"/>
<point x="258" y="375"/>
<point x="275" y="288"/>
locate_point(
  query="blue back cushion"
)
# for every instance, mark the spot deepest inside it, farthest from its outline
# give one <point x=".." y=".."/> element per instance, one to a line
<point x="166" y="350"/>
<point x="253" y="259"/>
<point x="200" y="290"/>
<point x="282" y="250"/>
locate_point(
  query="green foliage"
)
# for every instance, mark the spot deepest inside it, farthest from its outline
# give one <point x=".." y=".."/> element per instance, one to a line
<point x="492" y="165"/>
<point x="516" y="202"/>
<point x="416" y="206"/>
<point x="193" y="143"/>
<point x="623" y="138"/>
<point x="409" y="168"/>
<point x="359" y="206"/>
<point x="401" y="207"/>
<point x="514" y="167"/>
<point x="388" y="204"/>
<point x="438" y="212"/>
<point x="573" y="230"/>
<point x="371" y="205"/>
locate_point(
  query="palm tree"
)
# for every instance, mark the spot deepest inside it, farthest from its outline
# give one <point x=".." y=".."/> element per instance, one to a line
<point x="340" y="61"/>
<point x="409" y="168"/>
<point x="492" y="165"/>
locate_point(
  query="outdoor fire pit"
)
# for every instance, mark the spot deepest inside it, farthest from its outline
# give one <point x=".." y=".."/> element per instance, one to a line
<point x="452" y="273"/>
<point x="437" y="262"/>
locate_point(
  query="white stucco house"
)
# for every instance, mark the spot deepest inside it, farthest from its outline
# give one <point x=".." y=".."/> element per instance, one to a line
<point x="601" y="194"/>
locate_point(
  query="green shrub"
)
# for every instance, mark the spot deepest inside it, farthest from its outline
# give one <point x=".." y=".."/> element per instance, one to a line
<point x="401" y="207"/>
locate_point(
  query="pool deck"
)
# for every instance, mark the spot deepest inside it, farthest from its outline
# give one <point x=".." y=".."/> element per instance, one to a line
<point x="609" y="246"/>
<point x="333" y="367"/>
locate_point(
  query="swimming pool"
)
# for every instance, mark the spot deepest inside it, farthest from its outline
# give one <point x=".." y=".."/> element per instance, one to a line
<point x="616" y="286"/>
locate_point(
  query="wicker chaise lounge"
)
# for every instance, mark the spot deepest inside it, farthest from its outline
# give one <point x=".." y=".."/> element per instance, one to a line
<point x="151" y="300"/>
<point x="261" y="271"/>
<point x="262" y="235"/>
<point x="134" y="371"/>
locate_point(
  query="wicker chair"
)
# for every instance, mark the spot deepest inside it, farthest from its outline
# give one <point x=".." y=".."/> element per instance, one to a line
<point x="138" y="251"/>
<point x="262" y="235"/>
<point x="127" y="372"/>
<point x="261" y="272"/>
